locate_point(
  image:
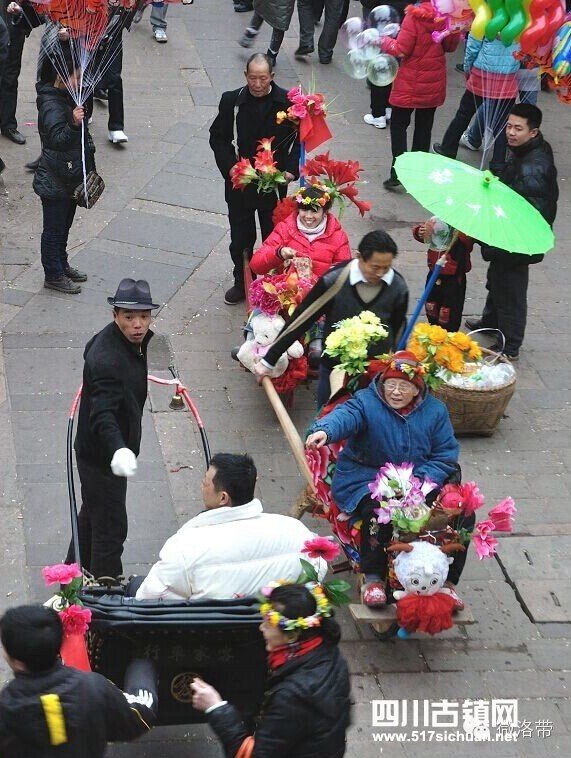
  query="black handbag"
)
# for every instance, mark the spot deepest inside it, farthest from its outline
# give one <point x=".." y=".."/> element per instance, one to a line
<point x="88" y="193"/>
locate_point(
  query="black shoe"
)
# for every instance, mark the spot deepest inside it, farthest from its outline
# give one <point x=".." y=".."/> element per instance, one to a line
<point x="273" y="57"/>
<point x="511" y="355"/>
<point x="14" y="136"/>
<point x="64" y="285"/>
<point x="234" y="295"/>
<point x="459" y="67"/>
<point x="437" y="148"/>
<point x="473" y="324"/>
<point x="33" y="165"/>
<point x="392" y="184"/>
<point x="101" y="94"/>
<point x="243" y="7"/>
<point x="325" y="61"/>
<point x="2" y="165"/>
<point x="74" y="274"/>
<point x="301" y="51"/>
<point x="234" y="353"/>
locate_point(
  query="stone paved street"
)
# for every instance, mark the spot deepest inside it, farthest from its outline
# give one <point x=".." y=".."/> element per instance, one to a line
<point x="162" y="218"/>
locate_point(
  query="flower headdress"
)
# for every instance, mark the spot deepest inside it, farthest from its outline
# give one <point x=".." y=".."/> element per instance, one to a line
<point x="303" y="200"/>
<point x="325" y="594"/>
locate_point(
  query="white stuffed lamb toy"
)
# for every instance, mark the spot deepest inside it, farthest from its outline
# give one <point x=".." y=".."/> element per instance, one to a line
<point x="265" y="329"/>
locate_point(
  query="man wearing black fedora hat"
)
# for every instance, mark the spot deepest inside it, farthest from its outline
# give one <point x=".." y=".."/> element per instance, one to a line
<point x="109" y="426"/>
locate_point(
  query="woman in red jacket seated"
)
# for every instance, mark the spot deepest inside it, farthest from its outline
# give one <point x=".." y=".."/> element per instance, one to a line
<point x="310" y="232"/>
<point x="420" y="84"/>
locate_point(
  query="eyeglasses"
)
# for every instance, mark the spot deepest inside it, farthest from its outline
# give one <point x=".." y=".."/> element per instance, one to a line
<point x="403" y="387"/>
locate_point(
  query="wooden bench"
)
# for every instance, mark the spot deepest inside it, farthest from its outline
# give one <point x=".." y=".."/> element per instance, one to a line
<point x="383" y="620"/>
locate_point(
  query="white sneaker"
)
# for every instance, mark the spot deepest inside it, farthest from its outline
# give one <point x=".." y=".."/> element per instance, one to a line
<point x="388" y="113"/>
<point x="380" y="122"/>
<point x="160" y="35"/>
<point x="465" y="142"/>
<point x="117" y="136"/>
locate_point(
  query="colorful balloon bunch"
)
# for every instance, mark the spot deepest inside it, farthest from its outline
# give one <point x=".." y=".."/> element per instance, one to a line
<point x="532" y="23"/>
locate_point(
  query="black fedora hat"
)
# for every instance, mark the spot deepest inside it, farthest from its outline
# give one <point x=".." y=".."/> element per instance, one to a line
<point x="133" y="296"/>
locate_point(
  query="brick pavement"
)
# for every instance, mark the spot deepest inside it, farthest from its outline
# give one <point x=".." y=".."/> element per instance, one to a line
<point x="162" y="217"/>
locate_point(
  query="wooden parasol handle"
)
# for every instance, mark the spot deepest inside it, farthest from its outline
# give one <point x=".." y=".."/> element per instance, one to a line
<point x="291" y="433"/>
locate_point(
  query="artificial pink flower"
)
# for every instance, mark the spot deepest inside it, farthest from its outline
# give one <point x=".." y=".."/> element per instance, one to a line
<point x="484" y="544"/>
<point x="502" y="515"/>
<point x="75" y="619"/>
<point x="462" y="499"/>
<point x="61" y="573"/>
<point x="383" y="514"/>
<point x="318" y="461"/>
<point x="321" y="547"/>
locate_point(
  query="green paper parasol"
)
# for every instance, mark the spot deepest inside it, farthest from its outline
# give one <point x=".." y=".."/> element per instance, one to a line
<point x="475" y="202"/>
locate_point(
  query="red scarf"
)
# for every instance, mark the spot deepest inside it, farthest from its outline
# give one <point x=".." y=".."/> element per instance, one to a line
<point x="285" y="653"/>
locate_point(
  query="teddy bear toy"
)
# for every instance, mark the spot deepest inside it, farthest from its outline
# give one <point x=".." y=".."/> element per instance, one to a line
<point x="424" y="604"/>
<point x="265" y="329"/>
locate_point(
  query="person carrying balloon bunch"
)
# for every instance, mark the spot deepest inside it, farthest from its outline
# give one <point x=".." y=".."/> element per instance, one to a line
<point x="381" y="16"/>
<point x="420" y="84"/>
<point x="445" y="302"/>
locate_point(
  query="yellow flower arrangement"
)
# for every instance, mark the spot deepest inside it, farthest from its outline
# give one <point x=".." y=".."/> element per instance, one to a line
<point x="350" y="340"/>
<point x="441" y="352"/>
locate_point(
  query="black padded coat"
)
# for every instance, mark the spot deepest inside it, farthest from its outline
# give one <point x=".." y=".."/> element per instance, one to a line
<point x="305" y="713"/>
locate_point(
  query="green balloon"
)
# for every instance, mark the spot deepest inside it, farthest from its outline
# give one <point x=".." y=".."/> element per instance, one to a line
<point x="500" y="18"/>
<point x="516" y="24"/>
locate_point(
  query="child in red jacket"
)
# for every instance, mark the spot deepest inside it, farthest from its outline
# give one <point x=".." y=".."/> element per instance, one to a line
<point x="445" y="302"/>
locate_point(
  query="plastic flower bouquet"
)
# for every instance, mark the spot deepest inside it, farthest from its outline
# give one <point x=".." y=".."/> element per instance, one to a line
<point x="75" y="619"/>
<point x="402" y="497"/>
<point x="442" y="353"/>
<point x="339" y="179"/>
<point x="279" y="293"/>
<point x="264" y="174"/>
<point x="350" y="340"/>
<point x="307" y="112"/>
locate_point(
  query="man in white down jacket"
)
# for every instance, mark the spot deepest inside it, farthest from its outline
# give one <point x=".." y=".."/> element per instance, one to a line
<point x="232" y="548"/>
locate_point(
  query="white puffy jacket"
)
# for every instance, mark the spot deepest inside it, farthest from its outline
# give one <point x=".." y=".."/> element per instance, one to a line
<point x="228" y="552"/>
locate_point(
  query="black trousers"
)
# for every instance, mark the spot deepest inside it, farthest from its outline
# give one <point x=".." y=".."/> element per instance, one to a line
<point x="400" y="121"/>
<point x="102" y="519"/>
<point x="58" y="214"/>
<point x="379" y="99"/>
<point x="445" y="302"/>
<point x="113" y="83"/>
<point x="375" y="537"/>
<point x="242" y="219"/>
<point x="9" y="77"/>
<point x="506" y="304"/>
<point x="468" y="106"/>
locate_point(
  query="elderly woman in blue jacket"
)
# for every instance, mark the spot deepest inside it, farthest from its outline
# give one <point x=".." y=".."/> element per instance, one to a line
<point x="393" y="420"/>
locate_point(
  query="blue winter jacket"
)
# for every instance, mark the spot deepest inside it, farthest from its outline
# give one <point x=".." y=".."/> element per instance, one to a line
<point x="493" y="56"/>
<point x="377" y="434"/>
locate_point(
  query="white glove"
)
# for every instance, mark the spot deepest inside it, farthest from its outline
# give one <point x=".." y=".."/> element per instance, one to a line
<point x="143" y="697"/>
<point x="124" y="462"/>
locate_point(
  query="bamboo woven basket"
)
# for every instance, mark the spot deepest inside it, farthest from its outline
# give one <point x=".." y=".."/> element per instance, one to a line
<point x="476" y="412"/>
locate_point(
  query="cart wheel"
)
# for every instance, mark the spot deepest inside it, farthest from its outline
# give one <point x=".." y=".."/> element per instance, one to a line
<point x="383" y="632"/>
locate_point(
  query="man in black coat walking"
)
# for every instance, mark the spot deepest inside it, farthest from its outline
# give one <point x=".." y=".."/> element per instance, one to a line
<point x="109" y="426"/>
<point x="531" y="172"/>
<point x="49" y="709"/>
<point x="245" y="116"/>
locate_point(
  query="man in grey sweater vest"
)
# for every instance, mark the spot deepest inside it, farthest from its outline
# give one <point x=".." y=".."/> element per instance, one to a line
<point x="371" y="285"/>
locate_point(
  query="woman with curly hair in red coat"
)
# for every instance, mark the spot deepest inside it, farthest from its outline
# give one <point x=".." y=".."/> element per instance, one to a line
<point x="308" y="232"/>
<point x="420" y="85"/>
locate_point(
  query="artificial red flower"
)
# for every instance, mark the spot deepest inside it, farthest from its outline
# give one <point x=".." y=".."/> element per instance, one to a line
<point x="242" y="173"/>
<point x="285" y="207"/>
<point x="321" y="547"/>
<point x="462" y="499"/>
<point x="75" y="619"/>
<point x="265" y="144"/>
<point x="295" y="373"/>
<point x="61" y="573"/>
<point x="502" y="515"/>
<point x="484" y="544"/>
<point x="351" y="192"/>
<point x="318" y="462"/>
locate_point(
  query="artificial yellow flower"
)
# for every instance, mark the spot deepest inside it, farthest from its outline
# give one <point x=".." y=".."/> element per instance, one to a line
<point x="460" y="340"/>
<point x="438" y="335"/>
<point x="419" y="350"/>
